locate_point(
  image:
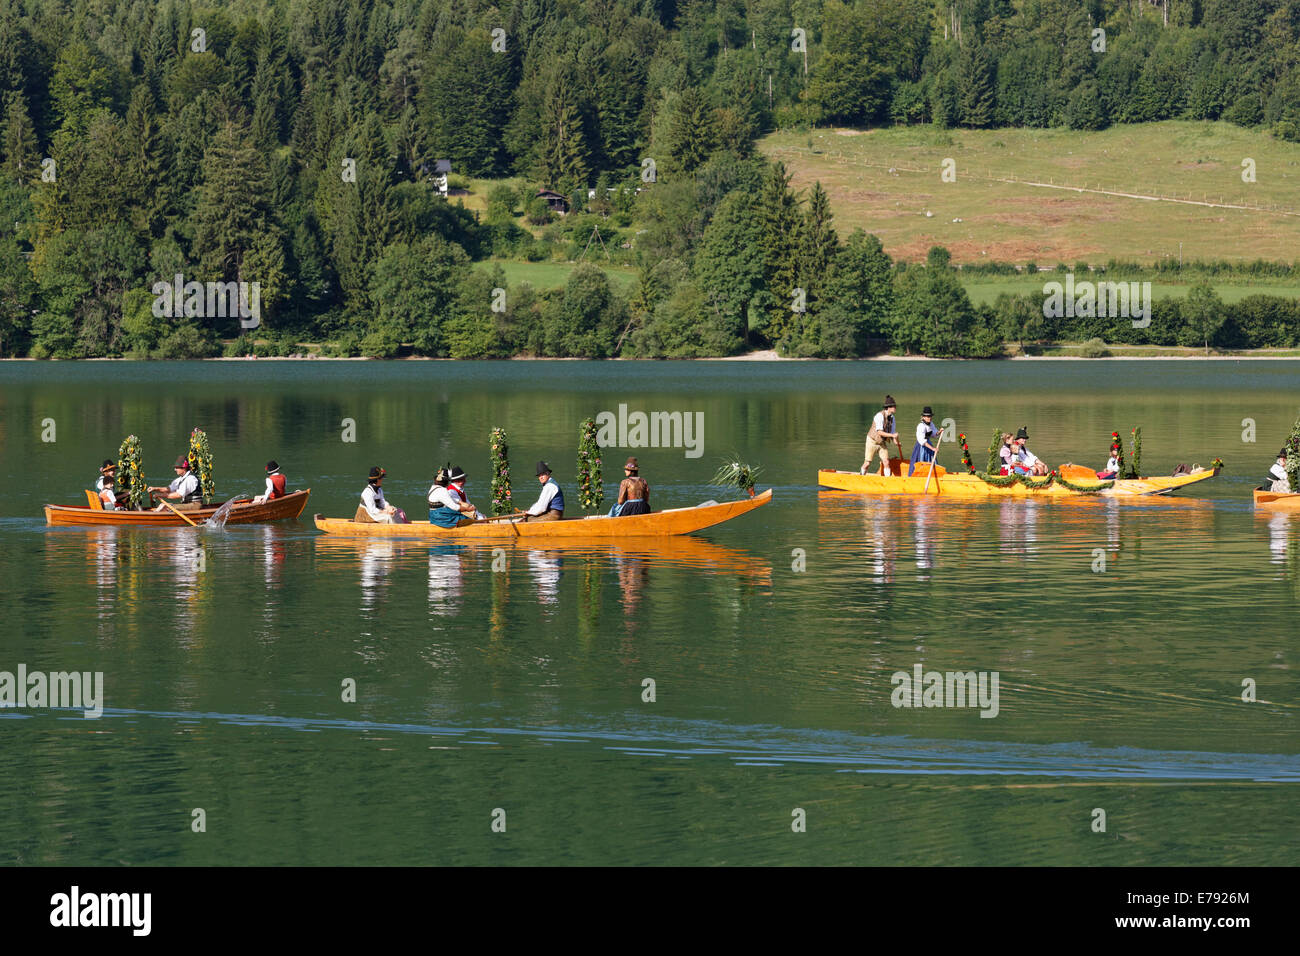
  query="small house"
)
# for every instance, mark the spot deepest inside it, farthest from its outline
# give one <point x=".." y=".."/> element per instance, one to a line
<point x="556" y="202"/>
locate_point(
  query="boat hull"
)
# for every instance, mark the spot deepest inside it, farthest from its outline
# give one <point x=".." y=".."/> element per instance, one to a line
<point x="954" y="485"/>
<point x="82" y="516"/>
<point x="656" y="524"/>
<point x="1274" y="501"/>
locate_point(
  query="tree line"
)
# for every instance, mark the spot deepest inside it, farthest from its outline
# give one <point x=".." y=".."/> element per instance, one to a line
<point x="289" y="143"/>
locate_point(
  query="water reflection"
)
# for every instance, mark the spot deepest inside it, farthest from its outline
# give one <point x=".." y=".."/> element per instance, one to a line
<point x="545" y="568"/>
<point x="446" y="580"/>
<point x="1279" y="530"/>
<point x="376" y="564"/>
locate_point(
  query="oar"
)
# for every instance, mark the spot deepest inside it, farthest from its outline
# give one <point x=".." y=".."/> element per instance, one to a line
<point x="178" y="514"/>
<point x="516" y="514"/>
<point x="934" y="463"/>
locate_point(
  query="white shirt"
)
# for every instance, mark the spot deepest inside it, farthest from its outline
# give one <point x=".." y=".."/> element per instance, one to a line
<point x="187" y="484"/>
<point x="99" y="484"/>
<point x="1277" y="471"/>
<point x="878" y="423"/>
<point x="1026" y="457"/>
<point x="372" y="499"/>
<point x="1112" y="463"/>
<point x="923" y="433"/>
<point x="440" y="496"/>
<point x="549" y="491"/>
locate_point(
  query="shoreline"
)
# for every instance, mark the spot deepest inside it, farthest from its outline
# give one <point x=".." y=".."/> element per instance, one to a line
<point x="762" y="356"/>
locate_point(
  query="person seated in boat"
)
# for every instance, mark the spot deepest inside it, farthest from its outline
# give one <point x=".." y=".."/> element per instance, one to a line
<point x="1024" y="461"/>
<point x="448" y="506"/>
<point x="880" y="435"/>
<point x="549" y="505"/>
<point x="373" y="507"/>
<point x="1279" y="482"/>
<point x="184" y="488"/>
<point x="633" y="493"/>
<point x="927" y="438"/>
<point x="1112" y="468"/>
<point x="275" y="484"/>
<point x="1005" y="453"/>
<point x="108" y="492"/>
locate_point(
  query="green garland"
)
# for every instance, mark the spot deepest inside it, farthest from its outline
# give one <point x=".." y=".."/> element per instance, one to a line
<point x="201" y="463"/>
<point x="965" y="455"/>
<point x="1137" y="453"/>
<point x="1038" y="484"/>
<point x="997" y="481"/>
<point x="501" y="500"/>
<point x="995" y="458"/>
<point x="590" y="490"/>
<point x="1082" y="489"/>
<point x="1293" y="456"/>
<point x="130" y="474"/>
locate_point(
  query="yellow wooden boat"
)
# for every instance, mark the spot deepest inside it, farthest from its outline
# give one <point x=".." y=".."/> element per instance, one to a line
<point x="658" y="523"/>
<point x="1277" y="501"/>
<point x="948" y="484"/>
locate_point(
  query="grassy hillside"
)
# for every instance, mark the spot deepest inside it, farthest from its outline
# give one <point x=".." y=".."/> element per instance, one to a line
<point x="886" y="180"/>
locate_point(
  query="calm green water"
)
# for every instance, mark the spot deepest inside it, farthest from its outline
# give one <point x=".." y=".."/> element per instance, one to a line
<point x="224" y="653"/>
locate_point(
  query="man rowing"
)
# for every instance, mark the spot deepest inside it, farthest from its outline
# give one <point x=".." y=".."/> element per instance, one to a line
<point x="448" y="506"/>
<point x="549" y="505"/>
<point x="880" y="435"/>
<point x="184" y="487"/>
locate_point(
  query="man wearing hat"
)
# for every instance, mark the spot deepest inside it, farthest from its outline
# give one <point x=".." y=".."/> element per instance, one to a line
<point x="185" y="486"/>
<point x="275" y="484"/>
<point x="1024" y="461"/>
<point x="448" y="506"/>
<point x="1277" y="476"/>
<point x="927" y="440"/>
<point x="373" y="507"/>
<point x="550" y="503"/>
<point x="880" y="435"/>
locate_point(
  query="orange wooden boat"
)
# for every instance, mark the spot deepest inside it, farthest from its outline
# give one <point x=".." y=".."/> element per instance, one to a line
<point x="1277" y="501"/>
<point x="671" y="521"/>
<point x="89" y="516"/>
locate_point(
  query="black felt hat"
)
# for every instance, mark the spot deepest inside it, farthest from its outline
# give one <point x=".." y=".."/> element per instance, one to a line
<point x="928" y="411"/>
<point x="1022" y="435"/>
<point x="182" y="462"/>
<point x="889" y="402"/>
<point x="377" y="472"/>
<point x="543" y="469"/>
<point x="272" y="467"/>
<point x="457" y="473"/>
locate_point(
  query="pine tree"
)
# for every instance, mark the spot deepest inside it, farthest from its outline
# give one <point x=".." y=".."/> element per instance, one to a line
<point x="231" y="210"/>
<point x="782" y="225"/>
<point x="18" y="146"/>
<point x="562" y="155"/>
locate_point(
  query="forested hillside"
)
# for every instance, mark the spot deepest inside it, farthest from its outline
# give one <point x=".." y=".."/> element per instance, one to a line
<point x="293" y="143"/>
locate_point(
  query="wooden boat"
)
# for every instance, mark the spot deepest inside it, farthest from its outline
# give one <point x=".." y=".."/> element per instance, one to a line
<point x="89" y="516"/>
<point x="948" y="484"/>
<point x="1277" y="501"/>
<point x="657" y="523"/>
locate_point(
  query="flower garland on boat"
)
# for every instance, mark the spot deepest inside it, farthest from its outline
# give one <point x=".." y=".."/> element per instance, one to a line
<point x="590" y="490"/>
<point x="501" y="501"/>
<point x="1293" y="456"/>
<point x="995" y="459"/>
<point x="735" y="473"/>
<point x="1038" y="484"/>
<point x="965" y="455"/>
<point x="1135" y="469"/>
<point x="201" y="463"/>
<point x="130" y="473"/>
<point x="1217" y="464"/>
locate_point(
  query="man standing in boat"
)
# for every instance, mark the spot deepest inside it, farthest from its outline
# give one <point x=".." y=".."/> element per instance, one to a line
<point x="926" y="440"/>
<point x="550" y="503"/>
<point x="185" y="486"/>
<point x="275" y="484"/>
<point x="880" y="435"/>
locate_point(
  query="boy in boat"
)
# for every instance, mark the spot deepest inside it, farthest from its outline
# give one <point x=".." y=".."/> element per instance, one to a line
<point x="448" y="507"/>
<point x="1024" y="461"/>
<point x="184" y="487"/>
<point x="1280" y="483"/>
<point x="633" y="493"/>
<point x="926" y="433"/>
<point x="373" y="507"/>
<point x="879" y="435"/>
<point x="275" y="484"/>
<point x="107" y="493"/>
<point x="549" y="505"/>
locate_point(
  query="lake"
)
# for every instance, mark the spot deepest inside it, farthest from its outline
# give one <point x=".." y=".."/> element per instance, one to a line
<point x="511" y="688"/>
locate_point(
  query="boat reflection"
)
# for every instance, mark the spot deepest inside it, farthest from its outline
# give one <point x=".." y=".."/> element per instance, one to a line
<point x="446" y="580"/>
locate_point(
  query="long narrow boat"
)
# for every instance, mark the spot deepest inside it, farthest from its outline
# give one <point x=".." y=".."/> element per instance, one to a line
<point x="85" y="516"/>
<point x="657" y="523"/>
<point x="958" y="485"/>
<point x="1277" y="501"/>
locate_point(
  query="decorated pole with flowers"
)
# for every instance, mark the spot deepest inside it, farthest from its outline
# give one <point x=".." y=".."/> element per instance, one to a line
<point x="1292" y="457"/>
<point x="995" y="446"/>
<point x="130" y="474"/>
<point x="1136" y="471"/>
<point x="501" y="502"/>
<point x="590" y="490"/>
<point x="1117" y="452"/>
<point x="201" y="463"/>
<point x="965" y="455"/>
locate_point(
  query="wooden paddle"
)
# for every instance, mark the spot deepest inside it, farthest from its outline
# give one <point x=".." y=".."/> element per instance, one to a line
<point x="515" y="514"/>
<point x="177" y="513"/>
<point x="934" y="463"/>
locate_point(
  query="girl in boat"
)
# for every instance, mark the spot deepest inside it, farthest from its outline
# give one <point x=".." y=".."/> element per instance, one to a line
<point x="549" y="505"/>
<point x="926" y="435"/>
<point x="1006" y="452"/>
<point x="275" y="484"/>
<point x="633" y="493"/>
<point x="373" y="507"/>
<point x="448" y="507"/>
<point x="107" y="495"/>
